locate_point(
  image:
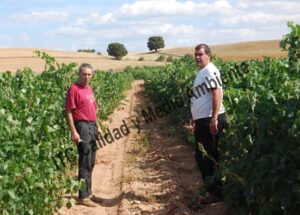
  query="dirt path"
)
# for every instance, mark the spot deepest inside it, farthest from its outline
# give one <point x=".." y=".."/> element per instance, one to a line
<point x="161" y="176"/>
<point x="148" y="172"/>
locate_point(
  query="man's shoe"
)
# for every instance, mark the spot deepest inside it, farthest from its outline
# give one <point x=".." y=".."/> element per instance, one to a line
<point x="87" y="202"/>
<point x="96" y="199"/>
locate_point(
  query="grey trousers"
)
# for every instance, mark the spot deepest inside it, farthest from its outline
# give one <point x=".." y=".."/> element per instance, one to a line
<point x="87" y="155"/>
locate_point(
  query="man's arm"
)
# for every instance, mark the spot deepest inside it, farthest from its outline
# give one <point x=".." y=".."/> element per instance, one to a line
<point x="74" y="135"/>
<point x="216" y="105"/>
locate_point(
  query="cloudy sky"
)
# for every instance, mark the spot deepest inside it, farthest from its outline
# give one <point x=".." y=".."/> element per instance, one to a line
<point x="74" y="24"/>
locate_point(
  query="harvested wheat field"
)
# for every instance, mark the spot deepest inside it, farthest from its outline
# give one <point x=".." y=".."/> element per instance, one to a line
<point x="12" y="59"/>
<point x="238" y="51"/>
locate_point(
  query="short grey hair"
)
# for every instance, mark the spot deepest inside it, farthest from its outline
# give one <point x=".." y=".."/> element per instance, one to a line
<point x="84" y="66"/>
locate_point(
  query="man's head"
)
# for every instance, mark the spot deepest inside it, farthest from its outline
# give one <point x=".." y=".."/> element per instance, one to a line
<point x="85" y="74"/>
<point x="202" y="55"/>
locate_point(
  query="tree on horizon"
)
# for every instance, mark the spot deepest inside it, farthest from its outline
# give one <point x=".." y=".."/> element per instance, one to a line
<point x="155" y="43"/>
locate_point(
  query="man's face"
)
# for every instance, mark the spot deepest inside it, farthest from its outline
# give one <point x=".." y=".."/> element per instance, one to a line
<point x="85" y="76"/>
<point x="201" y="58"/>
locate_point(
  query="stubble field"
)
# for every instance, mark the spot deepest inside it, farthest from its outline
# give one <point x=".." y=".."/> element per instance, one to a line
<point x="12" y="59"/>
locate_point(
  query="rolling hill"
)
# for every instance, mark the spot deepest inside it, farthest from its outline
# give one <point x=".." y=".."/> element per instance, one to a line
<point x="12" y="59"/>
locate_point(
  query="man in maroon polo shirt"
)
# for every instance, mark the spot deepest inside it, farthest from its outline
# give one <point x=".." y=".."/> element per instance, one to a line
<point x="81" y="114"/>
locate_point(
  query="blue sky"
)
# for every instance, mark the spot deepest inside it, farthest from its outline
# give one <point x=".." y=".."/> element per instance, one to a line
<point x="93" y="24"/>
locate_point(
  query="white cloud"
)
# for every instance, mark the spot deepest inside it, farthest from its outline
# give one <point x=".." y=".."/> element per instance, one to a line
<point x="95" y="18"/>
<point x="233" y="35"/>
<point x="270" y="5"/>
<point x="107" y="18"/>
<point x="71" y="31"/>
<point x="257" y="13"/>
<point x="173" y="7"/>
<point x="41" y="16"/>
<point x="238" y="34"/>
<point x="166" y="28"/>
<point x="258" y="18"/>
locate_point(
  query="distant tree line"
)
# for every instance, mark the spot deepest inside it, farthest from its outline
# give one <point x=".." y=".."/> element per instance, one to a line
<point x="87" y="50"/>
<point x="118" y="50"/>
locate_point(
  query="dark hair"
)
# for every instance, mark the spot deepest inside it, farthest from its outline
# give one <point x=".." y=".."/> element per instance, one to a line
<point x="83" y="66"/>
<point x="205" y="47"/>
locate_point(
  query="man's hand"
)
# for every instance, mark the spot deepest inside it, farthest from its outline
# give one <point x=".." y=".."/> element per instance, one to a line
<point x="216" y="105"/>
<point x="75" y="137"/>
<point x="213" y="126"/>
<point x="193" y="123"/>
<point x="99" y="132"/>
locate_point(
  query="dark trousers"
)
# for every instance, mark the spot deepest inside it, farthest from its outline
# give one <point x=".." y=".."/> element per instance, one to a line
<point x="87" y="155"/>
<point x="207" y="153"/>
